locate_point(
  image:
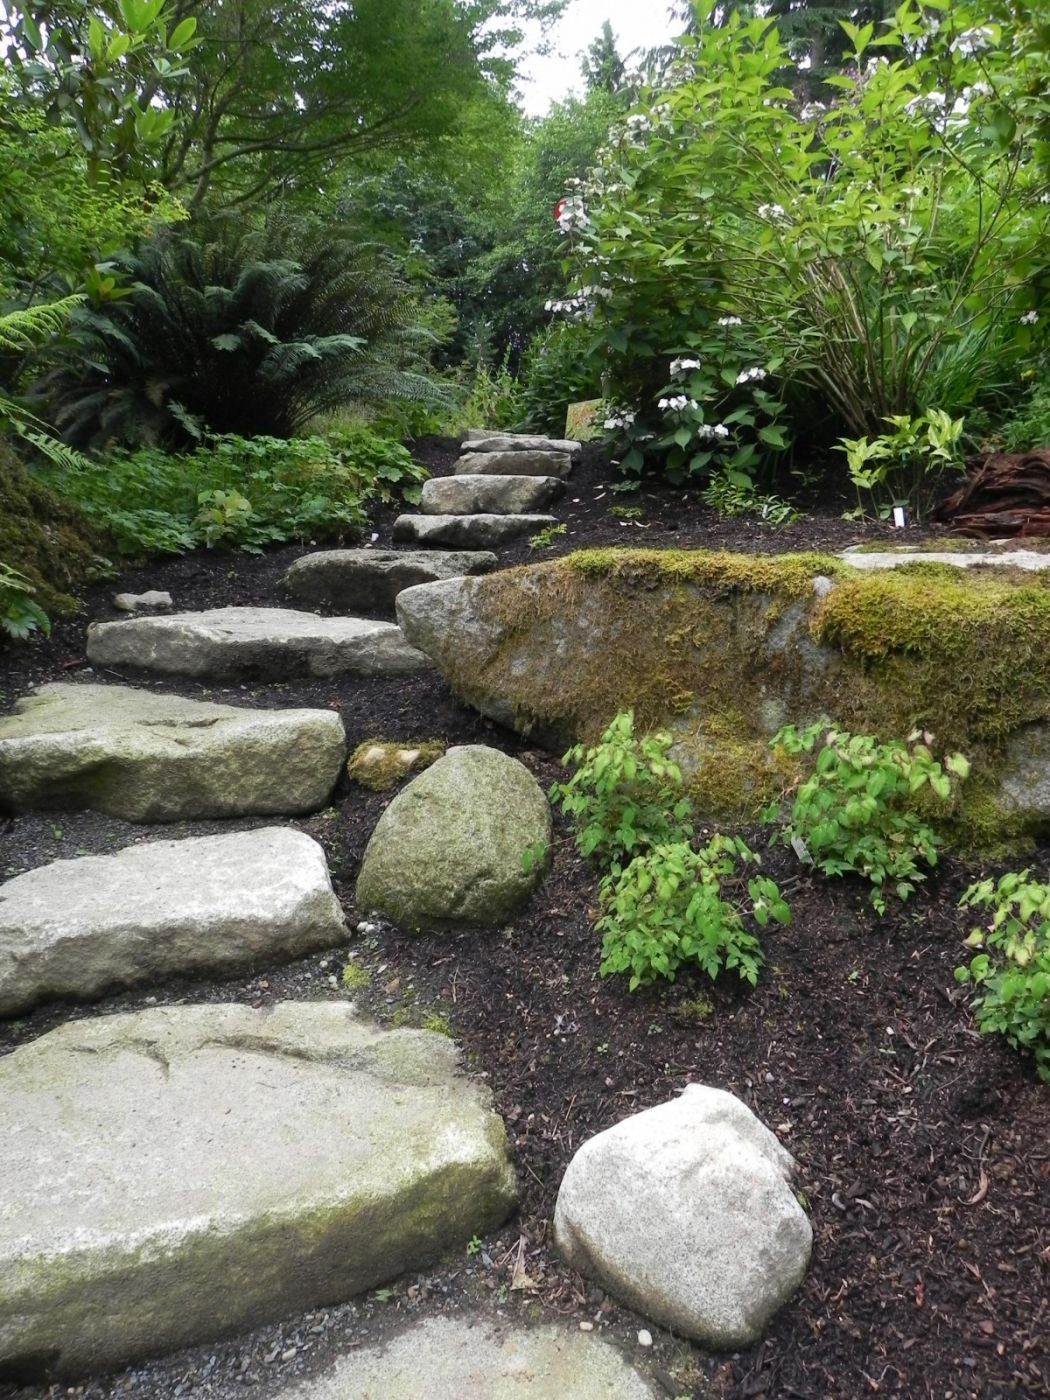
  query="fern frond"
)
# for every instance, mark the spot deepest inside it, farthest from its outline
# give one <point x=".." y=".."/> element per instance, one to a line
<point x="21" y="330"/>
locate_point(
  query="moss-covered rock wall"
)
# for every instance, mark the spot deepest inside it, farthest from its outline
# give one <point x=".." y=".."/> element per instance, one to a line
<point x="726" y="648"/>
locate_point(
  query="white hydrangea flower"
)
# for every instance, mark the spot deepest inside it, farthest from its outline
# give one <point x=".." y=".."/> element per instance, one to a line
<point x="712" y="432"/>
<point x="973" y="41"/>
<point x="677" y="403"/>
<point x="771" y="211"/>
<point x="1029" y="318"/>
<point x="751" y="376"/>
<point x="681" y="366"/>
<point x="621" y="418"/>
<point x="730" y="321"/>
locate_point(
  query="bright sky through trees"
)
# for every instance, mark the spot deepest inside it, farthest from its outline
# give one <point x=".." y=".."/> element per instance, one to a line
<point x="636" y="24"/>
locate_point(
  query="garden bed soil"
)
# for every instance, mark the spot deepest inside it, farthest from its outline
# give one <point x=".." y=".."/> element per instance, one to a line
<point x="923" y="1149"/>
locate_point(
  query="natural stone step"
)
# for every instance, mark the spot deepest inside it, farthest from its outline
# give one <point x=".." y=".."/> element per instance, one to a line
<point x="520" y="463"/>
<point x="155" y="758"/>
<point x="78" y="928"/>
<point x="183" y="1172"/>
<point x="493" y="495"/>
<point x="481" y="440"/>
<point x="446" y="1358"/>
<point x="449" y="848"/>
<point x="366" y="581"/>
<point x="254" y="644"/>
<point x="1031" y="560"/>
<point x="466" y="531"/>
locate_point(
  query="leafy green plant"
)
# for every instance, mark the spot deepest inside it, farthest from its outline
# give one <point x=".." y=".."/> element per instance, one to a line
<point x="855" y="813"/>
<point x="243" y="493"/>
<point x="673" y="906"/>
<point x="1028" y="426"/>
<point x="249" y="334"/>
<point x="20" y="614"/>
<point x="544" y="539"/>
<point x="1011" y="972"/>
<point x="905" y="465"/>
<point x="733" y="493"/>
<point x="625" y="794"/>
<point x="534" y="855"/>
<point x="558" y="368"/>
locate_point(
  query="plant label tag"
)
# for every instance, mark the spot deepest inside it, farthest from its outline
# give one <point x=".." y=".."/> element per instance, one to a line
<point x="900" y="517"/>
<point x="801" y="849"/>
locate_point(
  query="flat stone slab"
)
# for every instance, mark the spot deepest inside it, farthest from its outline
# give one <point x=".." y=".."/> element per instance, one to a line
<point x="187" y="1171"/>
<point x="493" y="495"/>
<point x="367" y="581"/>
<point x="447" y="1358"/>
<point x="464" y="531"/>
<point x="481" y="440"/>
<point x="1029" y="559"/>
<point x="154" y="758"/>
<point x="518" y="463"/>
<point x="254" y="644"/>
<point x="77" y="928"/>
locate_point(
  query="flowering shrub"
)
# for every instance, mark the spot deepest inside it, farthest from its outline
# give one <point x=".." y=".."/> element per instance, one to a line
<point x="877" y="256"/>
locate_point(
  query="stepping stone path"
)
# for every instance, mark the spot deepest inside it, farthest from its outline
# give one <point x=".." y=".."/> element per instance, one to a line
<point x="455" y="1359"/>
<point x="160" y="758"/>
<point x="179" y="1173"/>
<point x="254" y="644"/>
<point x="501" y="482"/>
<point x="182" y="1172"/>
<point x="78" y="928"/>
<point x="366" y="581"/>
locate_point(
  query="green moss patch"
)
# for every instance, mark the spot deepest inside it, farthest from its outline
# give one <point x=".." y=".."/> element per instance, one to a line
<point x="44" y="537"/>
<point x="381" y="766"/>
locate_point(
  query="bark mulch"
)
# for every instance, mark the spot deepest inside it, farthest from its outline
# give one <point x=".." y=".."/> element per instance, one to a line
<point x="924" y="1149"/>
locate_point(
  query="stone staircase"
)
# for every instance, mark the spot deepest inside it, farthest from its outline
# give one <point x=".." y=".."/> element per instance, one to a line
<point x="183" y="1172"/>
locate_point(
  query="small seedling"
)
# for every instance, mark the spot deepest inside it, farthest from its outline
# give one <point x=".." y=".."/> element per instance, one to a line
<point x="533" y="856"/>
<point x="544" y="539"/>
<point x="474" y="1246"/>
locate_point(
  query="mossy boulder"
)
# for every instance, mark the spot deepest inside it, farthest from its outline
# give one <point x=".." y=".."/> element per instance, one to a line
<point x="726" y="648"/>
<point x="44" y="537"/>
<point x="382" y="766"/>
<point x="188" y="1171"/>
<point x="451" y="848"/>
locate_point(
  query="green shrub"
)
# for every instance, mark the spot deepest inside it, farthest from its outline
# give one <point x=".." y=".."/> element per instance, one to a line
<point x="733" y="494"/>
<point x="251" y="333"/>
<point x="558" y="368"/>
<point x="674" y="907"/>
<point x="20" y="614"/>
<point x="1011" y="973"/>
<point x="626" y="794"/>
<point x="855" y="813"/>
<point x="1028" y="427"/>
<point x="243" y="493"/>
<point x="906" y="464"/>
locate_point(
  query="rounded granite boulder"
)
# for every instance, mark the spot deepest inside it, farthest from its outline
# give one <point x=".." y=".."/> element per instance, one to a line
<point x="465" y="842"/>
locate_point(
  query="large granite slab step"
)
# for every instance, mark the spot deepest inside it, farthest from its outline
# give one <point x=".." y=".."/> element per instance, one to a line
<point x="520" y="463"/>
<point x="155" y="758"/>
<point x="466" y="531"/>
<point x="1030" y="560"/>
<point x="78" y="928"/>
<point x="183" y="1172"/>
<point x="445" y="1358"/>
<point x="367" y="581"/>
<point x="491" y="495"/>
<point x="254" y="644"/>
<point x="482" y="440"/>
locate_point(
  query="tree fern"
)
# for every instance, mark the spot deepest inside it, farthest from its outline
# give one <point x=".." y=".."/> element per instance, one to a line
<point x="252" y="334"/>
<point x="21" y="331"/>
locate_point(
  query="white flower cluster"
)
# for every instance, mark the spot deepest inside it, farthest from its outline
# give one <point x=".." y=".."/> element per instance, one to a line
<point x="771" y="211"/>
<point x="1044" y="199"/>
<point x="622" y="418"/>
<point x="751" y="376"/>
<point x="812" y="111"/>
<point x="1029" y="318"/>
<point x="576" y="308"/>
<point x="712" y="432"/>
<point x="681" y="366"/>
<point x="973" y="41"/>
<point x="573" y="215"/>
<point x="678" y="403"/>
<point x="730" y="321"/>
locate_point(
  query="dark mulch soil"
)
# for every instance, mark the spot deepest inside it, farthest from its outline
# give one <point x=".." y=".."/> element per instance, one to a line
<point x="924" y="1150"/>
